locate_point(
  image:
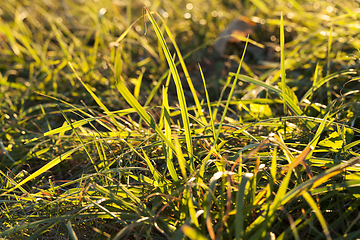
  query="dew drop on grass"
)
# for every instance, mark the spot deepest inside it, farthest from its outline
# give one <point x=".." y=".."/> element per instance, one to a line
<point x="329" y="9"/>
<point x="165" y="14"/>
<point x="255" y="19"/>
<point x="262" y="166"/>
<point x="102" y="12"/>
<point x="59" y="20"/>
<point x="22" y="15"/>
<point x="187" y="15"/>
<point x="104" y="65"/>
<point x="248" y="175"/>
<point x="214" y="13"/>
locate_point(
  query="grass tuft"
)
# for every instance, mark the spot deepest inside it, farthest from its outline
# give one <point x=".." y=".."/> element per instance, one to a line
<point x="109" y="131"/>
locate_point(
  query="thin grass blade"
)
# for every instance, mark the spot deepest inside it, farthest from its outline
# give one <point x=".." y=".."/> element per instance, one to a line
<point x="192" y="233"/>
<point x="179" y="88"/>
<point x="283" y="77"/>
<point x="230" y="96"/>
<point x="45" y="168"/>
<point x="240" y="204"/>
<point x="318" y="214"/>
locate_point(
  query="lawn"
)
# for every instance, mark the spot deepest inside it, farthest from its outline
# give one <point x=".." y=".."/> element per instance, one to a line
<point x="179" y="120"/>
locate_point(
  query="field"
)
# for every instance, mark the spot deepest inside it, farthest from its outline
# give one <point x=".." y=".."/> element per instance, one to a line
<point x="179" y="120"/>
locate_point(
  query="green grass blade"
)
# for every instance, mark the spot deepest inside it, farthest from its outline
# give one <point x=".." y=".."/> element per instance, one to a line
<point x="266" y="219"/>
<point x="123" y="35"/>
<point x="192" y="233"/>
<point x="318" y="214"/>
<point x="140" y="110"/>
<point x="71" y="231"/>
<point x="261" y="5"/>
<point x="317" y="180"/>
<point x="115" y="198"/>
<point x="318" y="84"/>
<point x="240" y="204"/>
<point x="208" y="103"/>
<point x="97" y="100"/>
<point x="187" y="76"/>
<point x="328" y="65"/>
<point x="182" y="163"/>
<point x="153" y="171"/>
<point x="45" y="168"/>
<point x="179" y="89"/>
<point x="68" y="127"/>
<point x="230" y="96"/>
<point x="316" y="138"/>
<point x="81" y="141"/>
<point x="12" y="181"/>
<point x="118" y="64"/>
<point x="138" y="85"/>
<point x="295" y="108"/>
<point x="156" y="87"/>
<point x="293" y="228"/>
<point x="282" y="64"/>
<point x="315" y="79"/>
<point x="167" y="125"/>
<point x="32" y="225"/>
<point x="46" y="227"/>
<point x="192" y="211"/>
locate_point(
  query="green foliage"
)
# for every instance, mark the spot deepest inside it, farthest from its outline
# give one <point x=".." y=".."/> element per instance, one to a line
<point x="109" y="132"/>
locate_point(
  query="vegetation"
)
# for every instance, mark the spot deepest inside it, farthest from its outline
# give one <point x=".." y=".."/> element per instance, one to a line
<point x="120" y="121"/>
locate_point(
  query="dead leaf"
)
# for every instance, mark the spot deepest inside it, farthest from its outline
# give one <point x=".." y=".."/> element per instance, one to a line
<point x="238" y="29"/>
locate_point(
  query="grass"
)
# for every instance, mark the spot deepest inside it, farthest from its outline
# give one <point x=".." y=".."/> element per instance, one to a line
<point x="120" y="121"/>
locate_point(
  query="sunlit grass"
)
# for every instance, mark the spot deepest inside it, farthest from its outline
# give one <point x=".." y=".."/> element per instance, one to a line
<point x="111" y="133"/>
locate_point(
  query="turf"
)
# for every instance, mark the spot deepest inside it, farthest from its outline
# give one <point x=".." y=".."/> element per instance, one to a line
<point x="124" y="120"/>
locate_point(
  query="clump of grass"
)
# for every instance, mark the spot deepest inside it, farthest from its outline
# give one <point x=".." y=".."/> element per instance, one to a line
<point x="270" y="166"/>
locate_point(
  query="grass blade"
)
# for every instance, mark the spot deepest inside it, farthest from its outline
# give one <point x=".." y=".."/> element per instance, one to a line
<point x="318" y="214"/>
<point x="240" y="204"/>
<point x="318" y="84"/>
<point x="71" y="231"/>
<point x="179" y="88"/>
<point x="230" y="96"/>
<point x="140" y="110"/>
<point x="187" y="76"/>
<point x="97" y="100"/>
<point x="208" y="103"/>
<point x="192" y="233"/>
<point x="167" y="125"/>
<point x="45" y="168"/>
<point x="295" y="108"/>
<point x="282" y="64"/>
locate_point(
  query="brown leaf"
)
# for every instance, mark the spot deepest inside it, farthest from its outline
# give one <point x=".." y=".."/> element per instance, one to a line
<point x="241" y="27"/>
